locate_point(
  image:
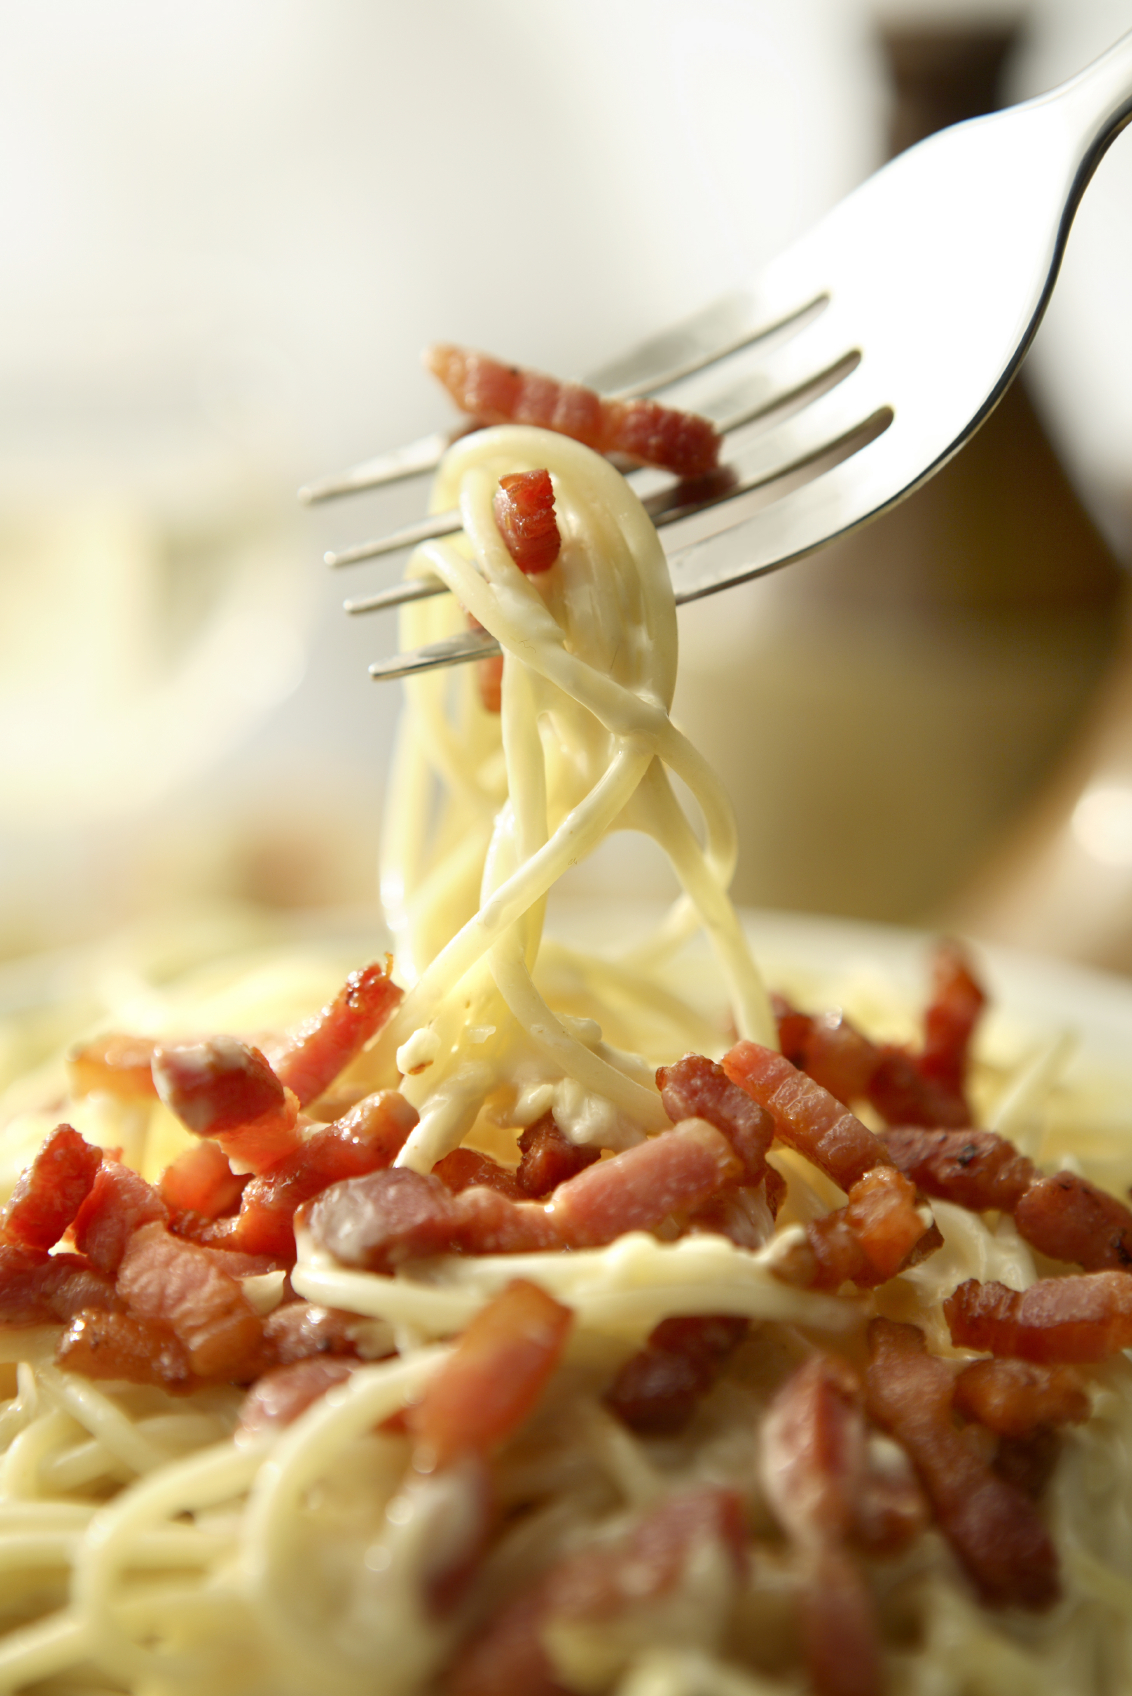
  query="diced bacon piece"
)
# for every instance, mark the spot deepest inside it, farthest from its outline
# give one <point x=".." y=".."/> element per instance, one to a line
<point x="878" y="1233"/>
<point x="50" y="1192"/>
<point x="949" y="1023"/>
<point x="813" y="1450"/>
<point x="489" y="675"/>
<point x="603" y="1582"/>
<point x="1015" y="1397"/>
<point x="657" y="1389"/>
<point x="200" y="1181"/>
<point x="993" y="1529"/>
<point x="278" y="1398"/>
<point x="1029" y="1462"/>
<point x="366" y="1139"/>
<point x="549" y="1158"/>
<point x="806" y="1116"/>
<point x="113" y="1064"/>
<point x="697" y="1088"/>
<point x="383" y="1219"/>
<point x="1057" y="1321"/>
<point x="301" y="1331"/>
<point x="494" y="393"/>
<point x="103" y="1344"/>
<point x="162" y="1277"/>
<point x="891" y="1509"/>
<point x="467" y="1166"/>
<point x="670" y="1173"/>
<point x="742" y="1215"/>
<point x="119" y="1201"/>
<point x="902" y="1095"/>
<point x="974" y="1169"/>
<point x="226" y="1089"/>
<point x="1069" y="1218"/>
<point x="487" y="1222"/>
<point x="37" y="1288"/>
<point x="493" y="1379"/>
<point x="314" y="1055"/>
<point x="828" y="1048"/>
<point x="524" y="511"/>
<point x="838" y="1627"/>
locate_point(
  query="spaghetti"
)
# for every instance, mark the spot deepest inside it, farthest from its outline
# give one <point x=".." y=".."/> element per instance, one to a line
<point x="685" y="1419"/>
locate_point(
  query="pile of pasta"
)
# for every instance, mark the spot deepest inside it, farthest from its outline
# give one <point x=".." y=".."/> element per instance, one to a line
<point x="516" y="1324"/>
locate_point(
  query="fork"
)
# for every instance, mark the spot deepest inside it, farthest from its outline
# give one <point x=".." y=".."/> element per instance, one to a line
<point x="855" y="367"/>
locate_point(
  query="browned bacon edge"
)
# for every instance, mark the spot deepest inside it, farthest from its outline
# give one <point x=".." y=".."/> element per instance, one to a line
<point x="656" y="1391"/>
<point x="1083" y="1318"/>
<point x="494" y="393"/>
<point x="524" y="511"/>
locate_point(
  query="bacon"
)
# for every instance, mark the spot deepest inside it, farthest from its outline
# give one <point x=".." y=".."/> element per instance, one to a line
<point x="902" y="1095"/>
<point x="50" y="1192"/>
<point x="1029" y="1462"/>
<point x="489" y="675"/>
<point x="164" y="1278"/>
<point x="104" y="1344"/>
<point x="741" y="1214"/>
<point x="1016" y="1398"/>
<point x="278" y="1398"/>
<point x="974" y="1169"/>
<point x="300" y="1331"/>
<point x="992" y="1527"/>
<point x="315" y="1054"/>
<point x="639" y="1187"/>
<point x="119" y="1201"/>
<point x="949" y="1023"/>
<point x="806" y="1116"/>
<point x="603" y="1582"/>
<point x="697" y="1088"/>
<point x="828" y="1049"/>
<point x="113" y="1064"/>
<point x="1057" y="1321"/>
<point x="549" y="1158"/>
<point x="226" y="1089"/>
<point x="37" y="1288"/>
<point x="524" y="511"/>
<point x="382" y="1219"/>
<point x="494" y="393"/>
<point x="487" y="1222"/>
<point x="1069" y="1218"/>
<point x="366" y="1139"/>
<point x="466" y="1166"/>
<point x="199" y="1181"/>
<point x="890" y="1509"/>
<point x="878" y="1233"/>
<point x="493" y="1379"/>
<point x="656" y="1391"/>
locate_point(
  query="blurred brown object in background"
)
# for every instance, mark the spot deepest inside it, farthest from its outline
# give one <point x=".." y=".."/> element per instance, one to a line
<point x="910" y="688"/>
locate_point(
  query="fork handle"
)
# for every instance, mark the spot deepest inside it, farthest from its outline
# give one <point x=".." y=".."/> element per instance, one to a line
<point x="1097" y="102"/>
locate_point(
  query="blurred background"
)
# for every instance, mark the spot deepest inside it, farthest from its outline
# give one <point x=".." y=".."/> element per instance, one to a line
<point x="229" y="230"/>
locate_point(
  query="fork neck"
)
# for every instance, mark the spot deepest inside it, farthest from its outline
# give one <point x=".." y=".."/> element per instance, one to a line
<point x="1096" y="103"/>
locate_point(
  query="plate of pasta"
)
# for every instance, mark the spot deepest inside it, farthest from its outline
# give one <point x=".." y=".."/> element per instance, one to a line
<point x="557" y="1308"/>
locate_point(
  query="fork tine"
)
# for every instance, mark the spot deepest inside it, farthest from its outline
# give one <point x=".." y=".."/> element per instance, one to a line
<point x="409" y="461"/>
<point x="454" y="650"/>
<point x="441" y="524"/>
<point x="701" y="340"/>
<point x="412" y="589"/>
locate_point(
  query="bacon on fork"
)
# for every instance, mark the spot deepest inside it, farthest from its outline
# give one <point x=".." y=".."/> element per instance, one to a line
<point x="524" y="511"/>
<point x="494" y="393"/>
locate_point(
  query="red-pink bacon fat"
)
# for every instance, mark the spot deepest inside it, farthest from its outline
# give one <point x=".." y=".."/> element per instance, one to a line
<point x="524" y="511"/>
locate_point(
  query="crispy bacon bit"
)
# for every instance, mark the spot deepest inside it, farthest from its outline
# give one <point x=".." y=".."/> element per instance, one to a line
<point x="603" y="1582"/>
<point x="493" y="1379"/>
<point x="494" y="393"/>
<point x="902" y="1095"/>
<point x="487" y="1222"/>
<point x="37" y="1288"/>
<point x="162" y="1277"/>
<point x="226" y="1089"/>
<point x="549" y="1158"/>
<point x="300" y="1331"/>
<point x="1015" y="1398"/>
<point x="113" y="1064"/>
<point x="741" y="1214"/>
<point x="1069" y="1321"/>
<point x="466" y="1166"/>
<point x="697" y="1088"/>
<point x="315" y="1054"/>
<point x="657" y="1389"/>
<point x="200" y="1182"/>
<point x="281" y="1395"/>
<point x="974" y="1169"/>
<point x="1029" y="1462"/>
<point x="50" y="1192"/>
<point x="671" y="1173"/>
<point x="949" y="1023"/>
<point x="383" y="1219"/>
<point x="878" y="1233"/>
<point x="103" y="1344"/>
<point x="524" y="511"/>
<point x="828" y="1048"/>
<point x="366" y="1139"/>
<point x="805" y="1115"/>
<point x="1069" y="1218"/>
<point x="119" y="1201"/>
<point x="991" y="1526"/>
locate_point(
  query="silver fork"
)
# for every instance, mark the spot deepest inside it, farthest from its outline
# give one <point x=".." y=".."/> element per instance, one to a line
<point x="859" y="362"/>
